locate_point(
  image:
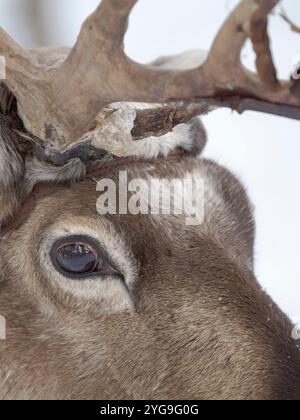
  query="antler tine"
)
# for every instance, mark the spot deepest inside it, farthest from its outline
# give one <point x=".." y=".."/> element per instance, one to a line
<point x="21" y="75"/>
<point x="93" y="73"/>
<point x="111" y="18"/>
<point x="261" y="43"/>
<point x="248" y="20"/>
<point x="18" y="62"/>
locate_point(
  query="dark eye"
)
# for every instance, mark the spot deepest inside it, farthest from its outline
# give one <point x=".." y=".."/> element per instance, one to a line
<point x="78" y="258"/>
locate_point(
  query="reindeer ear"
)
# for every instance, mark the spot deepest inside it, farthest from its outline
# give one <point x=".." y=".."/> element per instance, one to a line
<point x="12" y="169"/>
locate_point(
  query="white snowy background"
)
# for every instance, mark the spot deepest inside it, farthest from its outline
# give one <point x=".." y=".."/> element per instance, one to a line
<point x="264" y="151"/>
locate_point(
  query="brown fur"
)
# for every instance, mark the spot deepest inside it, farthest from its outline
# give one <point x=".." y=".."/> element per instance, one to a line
<point x="191" y="323"/>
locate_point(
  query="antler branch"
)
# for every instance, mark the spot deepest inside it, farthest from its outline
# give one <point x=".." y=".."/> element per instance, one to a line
<point x="293" y="26"/>
<point x="98" y="73"/>
<point x="24" y="79"/>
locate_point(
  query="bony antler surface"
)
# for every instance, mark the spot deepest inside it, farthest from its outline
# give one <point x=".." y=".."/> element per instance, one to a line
<point x="61" y="103"/>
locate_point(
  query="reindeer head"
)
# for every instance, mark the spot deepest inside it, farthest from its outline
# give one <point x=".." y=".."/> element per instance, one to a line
<point x="123" y="305"/>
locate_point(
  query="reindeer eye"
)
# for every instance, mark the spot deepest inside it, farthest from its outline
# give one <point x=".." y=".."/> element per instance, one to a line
<point x="76" y="258"/>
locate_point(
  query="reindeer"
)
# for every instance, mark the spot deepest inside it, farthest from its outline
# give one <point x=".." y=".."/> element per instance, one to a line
<point x="123" y="306"/>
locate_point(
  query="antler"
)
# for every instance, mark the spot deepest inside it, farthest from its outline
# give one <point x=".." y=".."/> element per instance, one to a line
<point x="74" y="102"/>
